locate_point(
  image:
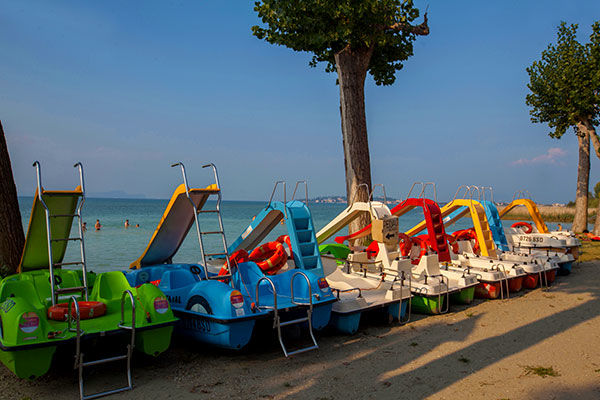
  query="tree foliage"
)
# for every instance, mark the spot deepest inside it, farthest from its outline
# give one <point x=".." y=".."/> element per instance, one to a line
<point x="565" y="82"/>
<point x="326" y="27"/>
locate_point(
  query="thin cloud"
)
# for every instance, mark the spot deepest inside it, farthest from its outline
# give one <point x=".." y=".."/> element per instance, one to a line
<point x="554" y="155"/>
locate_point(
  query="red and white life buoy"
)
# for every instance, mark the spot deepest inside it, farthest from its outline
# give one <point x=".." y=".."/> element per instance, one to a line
<point x="527" y="228"/>
<point x="87" y="310"/>
<point x="270" y="257"/>
<point x="239" y="256"/>
<point x="420" y="241"/>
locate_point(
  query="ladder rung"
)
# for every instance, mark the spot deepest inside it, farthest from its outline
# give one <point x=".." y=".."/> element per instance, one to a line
<point x="106" y="393"/>
<point x="211" y="232"/>
<point x="291" y="353"/>
<point x="70" y="289"/>
<point x="294" y="321"/>
<point x="215" y="254"/>
<point x="68" y="263"/>
<point x="65" y="240"/>
<point x="104" y="360"/>
<point x="64" y="215"/>
<point x="208" y="211"/>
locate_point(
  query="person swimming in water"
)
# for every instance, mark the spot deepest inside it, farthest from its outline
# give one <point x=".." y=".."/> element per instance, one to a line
<point x="97" y="225"/>
<point x="84" y="227"/>
<point x="126" y="223"/>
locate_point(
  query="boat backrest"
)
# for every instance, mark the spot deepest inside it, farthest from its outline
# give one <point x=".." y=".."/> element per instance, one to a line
<point x="177" y="278"/>
<point x="21" y="288"/>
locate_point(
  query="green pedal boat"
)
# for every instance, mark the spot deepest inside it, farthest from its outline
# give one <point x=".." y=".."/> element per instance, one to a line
<point x="35" y="302"/>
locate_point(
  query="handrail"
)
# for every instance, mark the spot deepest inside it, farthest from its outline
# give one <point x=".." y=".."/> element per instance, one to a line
<point x="79" y="166"/>
<point x="195" y="209"/>
<point x="310" y="303"/>
<point x="38" y="170"/>
<point x="264" y="278"/>
<point x="122" y="323"/>
<point x="356" y="191"/>
<point x="284" y="196"/>
<point x="214" y="168"/>
<point x="466" y="188"/>
<point x="305" y="190"/>
<point x="373" y="191"/>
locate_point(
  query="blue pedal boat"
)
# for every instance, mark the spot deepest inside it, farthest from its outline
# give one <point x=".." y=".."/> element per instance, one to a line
<point x="222" y="309"/>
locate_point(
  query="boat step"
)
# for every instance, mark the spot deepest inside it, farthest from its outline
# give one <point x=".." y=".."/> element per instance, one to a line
<point x="313" y="347"/>
<point x="294" y="321"/>
<point x="104" y="360"/>
<point x="212" y="233"/>
<point x="215" y="254"/>
<point x="68" y="263"/>
<point x="65" y="239"/>
<point x="208" y="211"/>
<point x="64" y="215"/>
<point x="69" y="289"/>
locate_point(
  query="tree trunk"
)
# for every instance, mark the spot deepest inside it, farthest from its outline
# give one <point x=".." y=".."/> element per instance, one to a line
<point x="12" y="238"/>
<point x="583" y="179"/>
<point x="352" y="66"/>
<point x="587" y="125"/>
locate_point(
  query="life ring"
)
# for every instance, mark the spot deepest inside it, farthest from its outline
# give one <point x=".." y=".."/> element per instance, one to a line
<point x="87" y="310"/>
<point x="468" y="234"/>
<point x="405" y="244"/>
<point x="453" y="243"/>
<point x="285" y="239"/>
<point x="422" y="243"/>
<point x="527" y="226"/>
<point x="239" y="256"/>
<point x="270" y="257"/>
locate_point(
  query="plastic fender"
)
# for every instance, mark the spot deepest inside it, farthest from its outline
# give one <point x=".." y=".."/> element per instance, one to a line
<point x="218" y="295"/>
<point x="22" y="323"/>
<point x="154" y="303"/>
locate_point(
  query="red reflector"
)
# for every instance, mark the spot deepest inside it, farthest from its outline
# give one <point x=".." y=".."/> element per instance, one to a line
<point x="323" y="283"/>
<point x="236" y="299"/>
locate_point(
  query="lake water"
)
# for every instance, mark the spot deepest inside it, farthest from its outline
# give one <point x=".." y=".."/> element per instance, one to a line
<point x="114" y="247"/>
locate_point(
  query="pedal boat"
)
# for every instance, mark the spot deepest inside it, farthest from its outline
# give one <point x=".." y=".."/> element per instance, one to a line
<point x="223" y="309"/>
<point x="32" y="327"/>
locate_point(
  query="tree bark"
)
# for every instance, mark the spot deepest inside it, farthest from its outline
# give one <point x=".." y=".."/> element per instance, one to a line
<point x="352" y="66"/>
<point x="587" y="125"/>
<point x="583" y="179"/>
<point x="12" y="238"/>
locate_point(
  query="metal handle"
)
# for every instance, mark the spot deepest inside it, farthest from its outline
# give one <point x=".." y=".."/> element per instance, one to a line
<point x="214" y="168"/>
<point x="356" y="191"/>
<point x="373" y="191"/>
<point x="310" y="303"/>
<point x="264" y="278"/>
<point x="122" y="323"/>
<point x="284" y="196"/>
<point x="305" y="190"/>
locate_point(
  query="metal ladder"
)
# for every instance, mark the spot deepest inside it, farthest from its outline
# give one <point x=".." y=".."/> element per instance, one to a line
<point x="80" y="364"/>
<point x="216" y="210"/>
<point x="278" y="324"/>
<point x="56" y="280"/>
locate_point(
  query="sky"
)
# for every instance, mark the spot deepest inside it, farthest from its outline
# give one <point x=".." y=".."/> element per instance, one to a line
<point x="128" y="88"/>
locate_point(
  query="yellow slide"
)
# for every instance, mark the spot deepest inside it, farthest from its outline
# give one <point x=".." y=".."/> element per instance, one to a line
<point x="173" y="226"/>
<point x="480" y="223"/>
<point x="534" y="212"/>
<point x="62" y="204"/>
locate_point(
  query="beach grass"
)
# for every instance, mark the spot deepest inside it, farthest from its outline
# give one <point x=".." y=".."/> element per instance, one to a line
<point x="540" y="371"/>
<point x="590" y="251"/>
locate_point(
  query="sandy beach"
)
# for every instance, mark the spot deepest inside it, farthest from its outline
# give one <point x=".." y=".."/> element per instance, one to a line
<point x="473" y="352"/>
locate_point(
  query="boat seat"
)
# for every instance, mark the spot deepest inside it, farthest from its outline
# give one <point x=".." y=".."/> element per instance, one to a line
<point x="177" y="278"/>
<point x="109" y="288"/>
<point x="21" y="288"/>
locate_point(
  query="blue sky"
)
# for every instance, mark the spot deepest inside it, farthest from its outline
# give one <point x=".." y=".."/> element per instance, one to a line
<point x="130" y="87"/>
